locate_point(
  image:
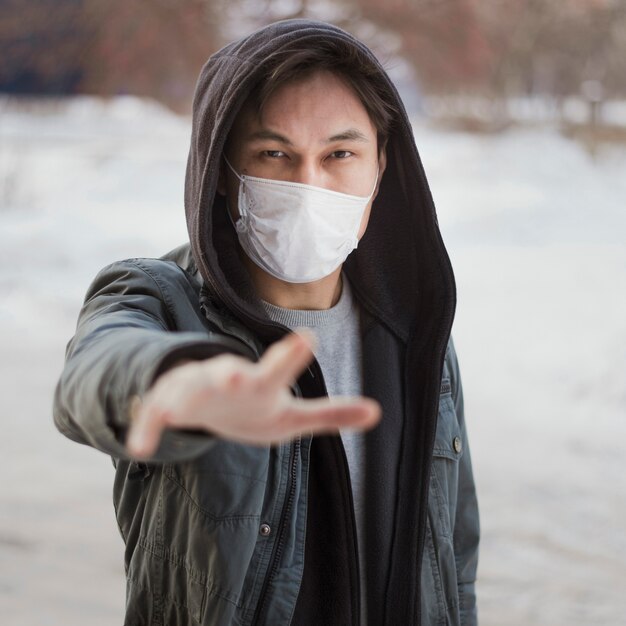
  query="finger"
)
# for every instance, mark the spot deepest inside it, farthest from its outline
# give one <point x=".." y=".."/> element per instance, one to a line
<point x="326" y="415"/>
<point x="284" y="360"/>
<point x="145" y="431"/>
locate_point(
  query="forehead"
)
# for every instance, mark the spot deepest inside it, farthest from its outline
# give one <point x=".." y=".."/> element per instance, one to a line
<point x="322" y="102"/>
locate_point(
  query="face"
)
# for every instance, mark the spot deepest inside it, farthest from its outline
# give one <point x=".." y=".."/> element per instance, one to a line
<point x="315" y="131"/>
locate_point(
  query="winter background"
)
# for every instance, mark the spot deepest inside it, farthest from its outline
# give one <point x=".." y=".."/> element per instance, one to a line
<point x="536" y="229"/>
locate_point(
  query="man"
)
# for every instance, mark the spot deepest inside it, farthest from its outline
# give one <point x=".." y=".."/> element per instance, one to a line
<point x="270" y="477"/>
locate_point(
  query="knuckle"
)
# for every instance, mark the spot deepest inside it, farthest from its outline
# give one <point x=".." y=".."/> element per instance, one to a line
<point x="234" y="379"/>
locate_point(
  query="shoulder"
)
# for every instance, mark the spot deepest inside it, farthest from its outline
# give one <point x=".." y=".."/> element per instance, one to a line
<point x="137" y="282"/>
<point x="182" y="257"/>
<point x="163" y="273"/>
<point x="176" y="265"/>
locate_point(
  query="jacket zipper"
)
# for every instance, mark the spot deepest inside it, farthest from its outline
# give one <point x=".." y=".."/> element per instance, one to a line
<point x="278" y="546"/>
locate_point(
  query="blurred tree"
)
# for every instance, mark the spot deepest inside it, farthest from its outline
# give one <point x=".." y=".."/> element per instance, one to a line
<point x="443" y="39"/>
<point x="553" y="46"/>
<point x="41" y="43"/>
<point x="494" y="48"/>
<point x="148" y="47"/>
<point x="106" y="47"/>
<point x="509" y="47"/>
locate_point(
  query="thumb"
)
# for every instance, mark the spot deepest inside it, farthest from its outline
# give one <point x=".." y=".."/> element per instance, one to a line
<point x="145" y="431"/>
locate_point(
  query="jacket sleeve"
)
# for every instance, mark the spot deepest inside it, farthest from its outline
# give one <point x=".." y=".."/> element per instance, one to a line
<point x="467" y="522"/>
<point x="125" y="338"/>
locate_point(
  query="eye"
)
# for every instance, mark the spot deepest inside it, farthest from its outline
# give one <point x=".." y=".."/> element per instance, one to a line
<point x="273" y="154"/>
<point x="342" y="154"/>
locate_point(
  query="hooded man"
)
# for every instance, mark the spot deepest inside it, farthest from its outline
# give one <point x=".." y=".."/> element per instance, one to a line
<point x="265" y="476"/>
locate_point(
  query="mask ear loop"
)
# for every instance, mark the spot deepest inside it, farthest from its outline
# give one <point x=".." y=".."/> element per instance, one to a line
<point x="355" y="242"/>
<point x="241" y="225"/>
<point x="375" y="183"/>
<point x="232" y="168"/>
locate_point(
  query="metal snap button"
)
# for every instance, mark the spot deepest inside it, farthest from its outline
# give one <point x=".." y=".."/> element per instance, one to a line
<point x="265" y="530"/>
<point x="457" y="444"/>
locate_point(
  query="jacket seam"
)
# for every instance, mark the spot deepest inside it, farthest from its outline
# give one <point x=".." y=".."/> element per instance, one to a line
<point x="136" y="583"/>
<point x="155" y="318"/>
<point x="460" y="593"/>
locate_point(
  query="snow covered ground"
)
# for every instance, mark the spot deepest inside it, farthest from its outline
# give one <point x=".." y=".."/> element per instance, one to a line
<point x="536" y="230"/>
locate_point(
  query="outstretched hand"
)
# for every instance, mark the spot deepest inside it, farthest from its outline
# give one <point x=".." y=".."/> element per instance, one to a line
<point x="237" y="399"/>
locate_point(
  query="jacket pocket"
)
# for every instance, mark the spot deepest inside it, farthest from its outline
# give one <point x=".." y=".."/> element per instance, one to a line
<point x="227" y="483"/>
<point x="188" y="567"/>
<point x="447" y="451"/>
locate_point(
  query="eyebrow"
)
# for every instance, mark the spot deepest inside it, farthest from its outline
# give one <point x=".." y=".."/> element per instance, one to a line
<point x="351" y="134"/>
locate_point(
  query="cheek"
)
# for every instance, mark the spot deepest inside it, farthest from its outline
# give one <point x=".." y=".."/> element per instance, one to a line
<point x="364" y="220"/>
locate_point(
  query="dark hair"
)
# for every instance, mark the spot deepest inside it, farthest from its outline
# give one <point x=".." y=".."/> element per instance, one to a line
<point x="344" y="60"/>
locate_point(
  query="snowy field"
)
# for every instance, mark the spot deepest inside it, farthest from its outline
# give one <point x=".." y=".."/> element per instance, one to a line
<point x="536" y="229"/>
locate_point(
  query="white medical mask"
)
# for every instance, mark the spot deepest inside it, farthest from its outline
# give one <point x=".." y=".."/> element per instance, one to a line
<point x="295" y="232"/>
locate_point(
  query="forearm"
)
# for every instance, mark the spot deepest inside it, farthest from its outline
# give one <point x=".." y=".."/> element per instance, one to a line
<point x="123" y="342"/>
<point x="101" y="377"/>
